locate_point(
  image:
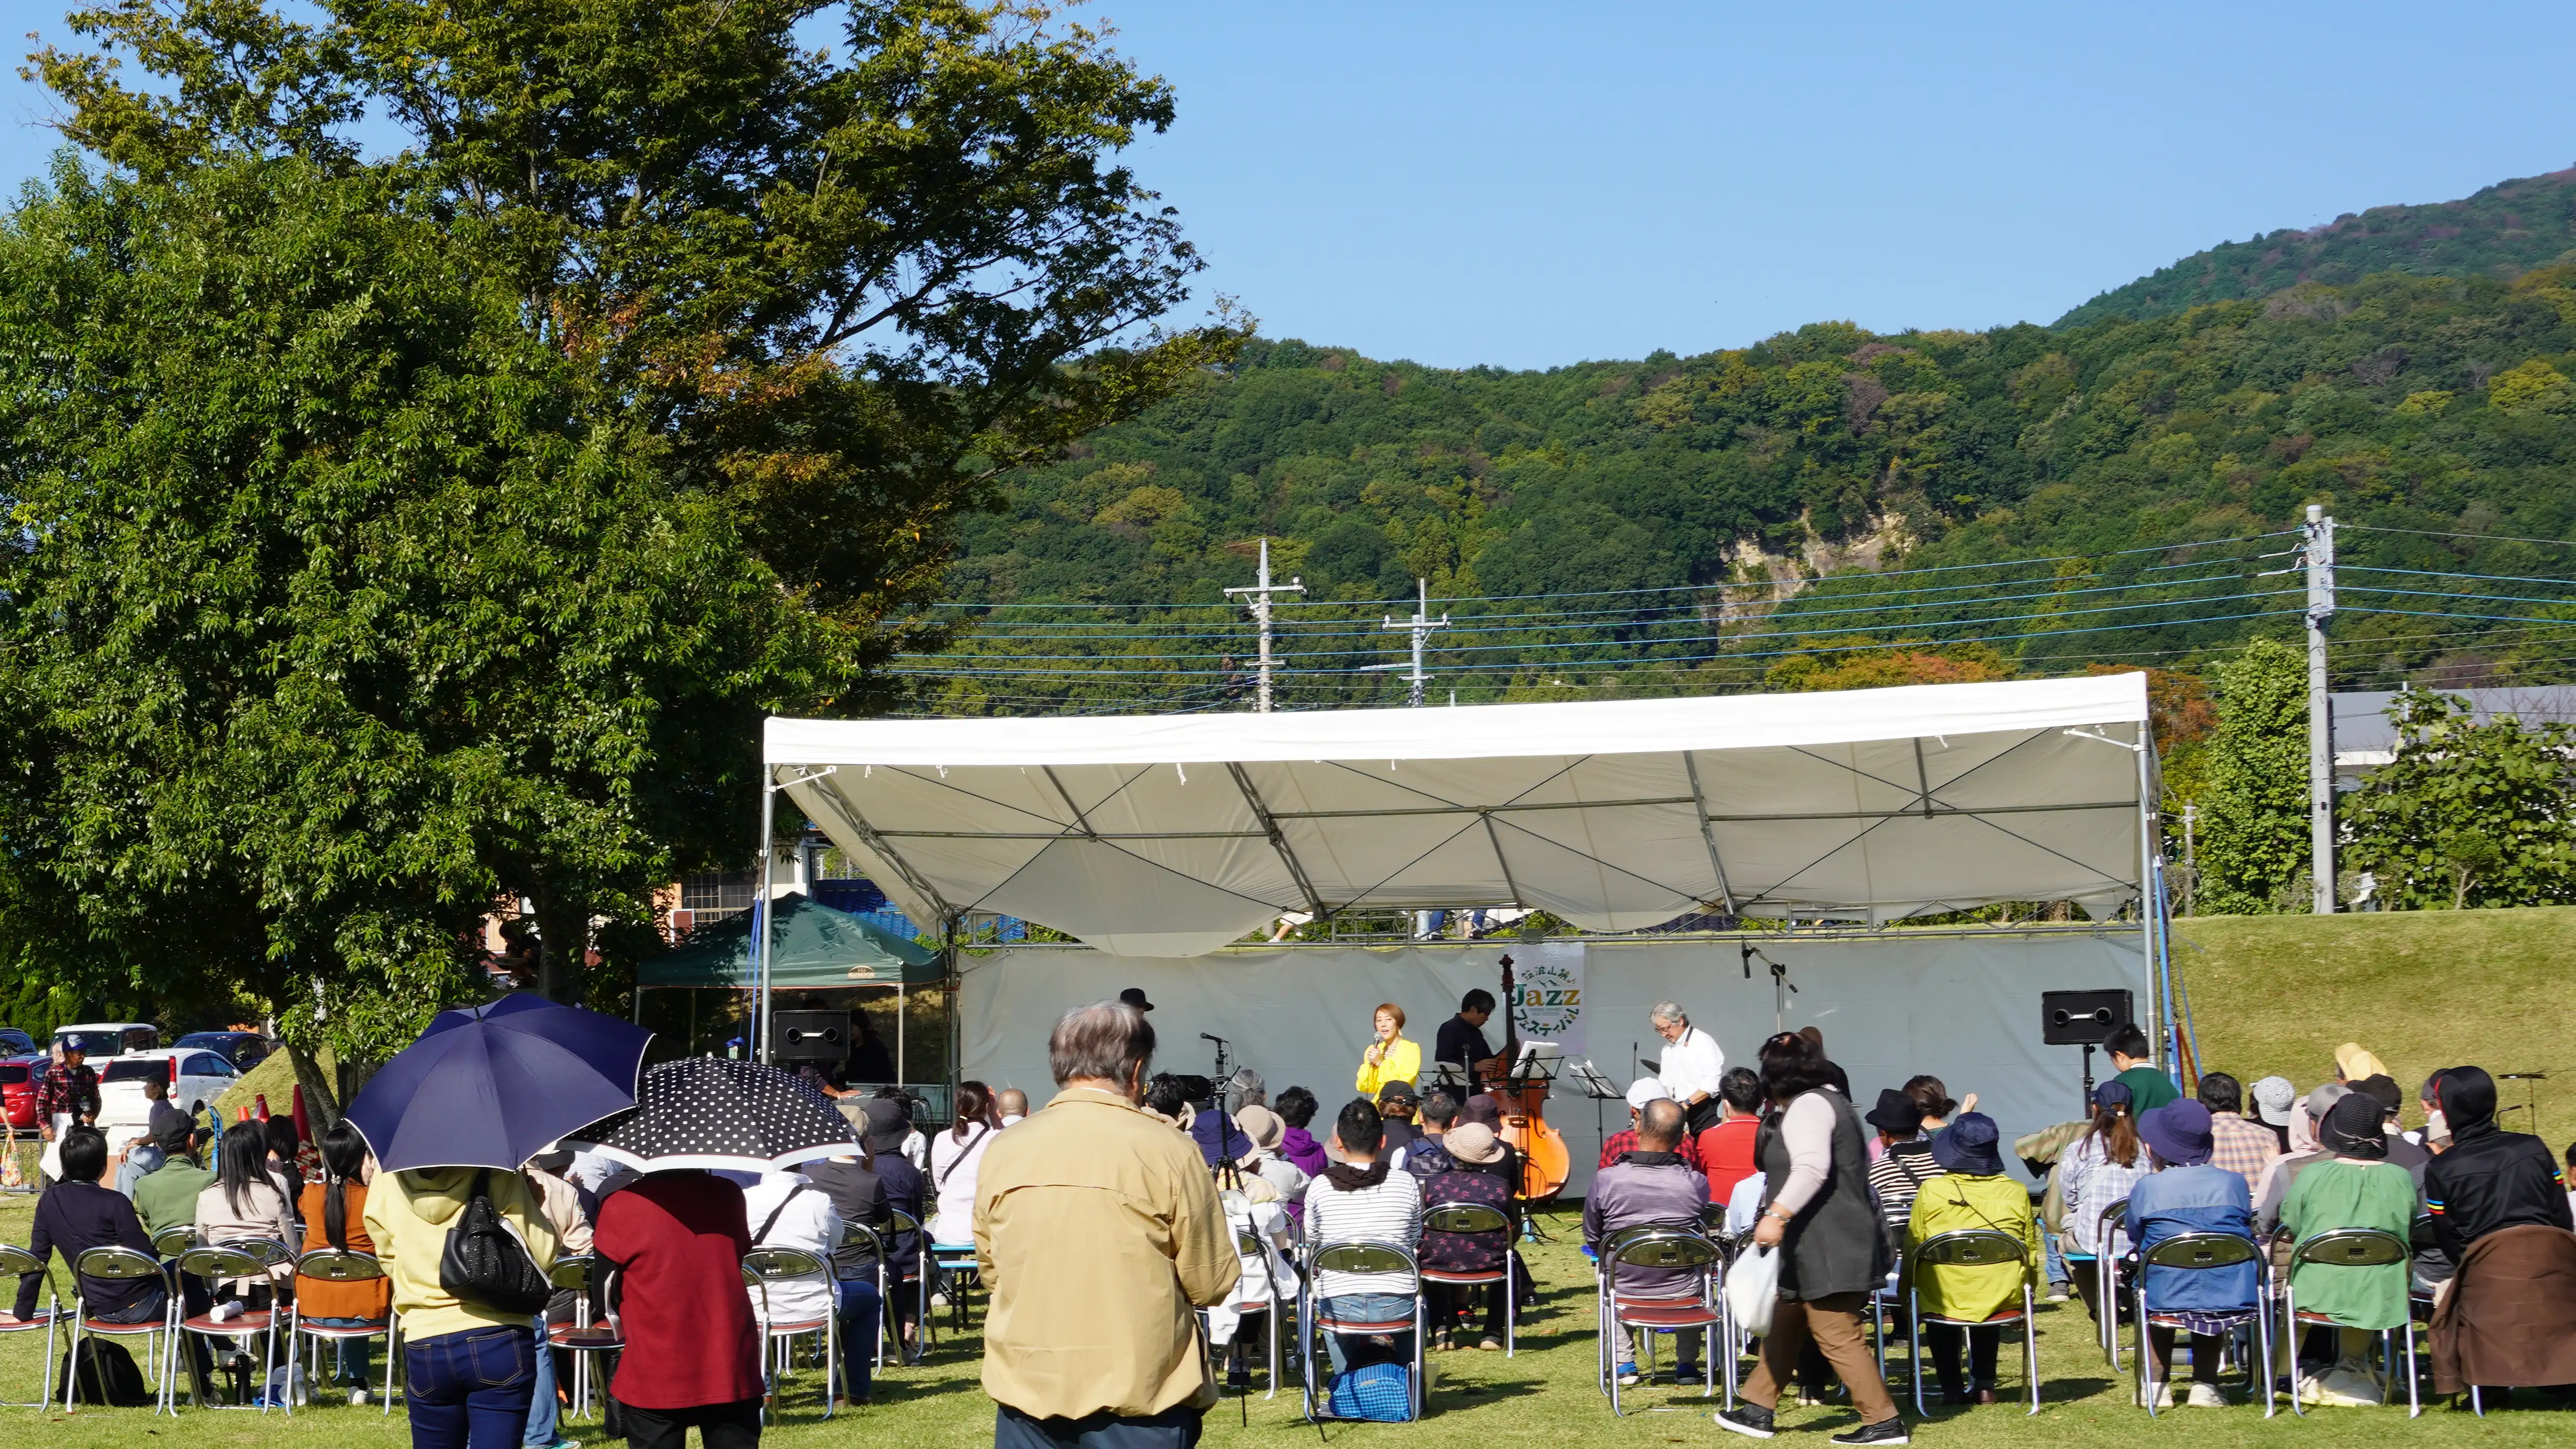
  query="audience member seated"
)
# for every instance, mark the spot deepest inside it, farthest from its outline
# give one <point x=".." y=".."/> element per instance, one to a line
<point x="905" y="1192"/>
<point x="2187" y="1195"/>
<point x="2097" y="1171"/>
<point x="1296" y="1107"/>
<point x="143" y="1153"/>
<point x="76" y="1215"/>
<point x="1255" y="1209"/>
<point x="245" y="1204"/>
<point x="1970" y="1193"/>
<point x="1359" y="1200"/>
<point x="2383" y="1089"/>
<point x="1474" y="1152"/>
<point x="1395" y="1104"/>
<point x="2149" y="1088"/>
<point x="2355" y="1187"/>
<point x="1428" y="1157"/>
<point x="166" y="1197"/>
<point x="1726" y="1148"/>
<point x="1904" y="1161"/>
<point x="954" y="1156"/>
<point x="1264" y="1129"/>
<point x="1650" y="1186"/>
<point x="335" y="1212"/>
<point x="2274" y="1187"/>
<point x="2489" y="1179"/>
<point x="1641" y="1093"/>
<point x="791" y="1210"/>
<point x="2240" y="1146"/>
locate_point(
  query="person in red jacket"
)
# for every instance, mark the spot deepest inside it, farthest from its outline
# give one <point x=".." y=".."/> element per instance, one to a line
<point x="676" y="1240"/>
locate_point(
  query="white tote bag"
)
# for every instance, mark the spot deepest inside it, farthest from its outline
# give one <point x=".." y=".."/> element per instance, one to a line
<point x="1752" y="1286"/>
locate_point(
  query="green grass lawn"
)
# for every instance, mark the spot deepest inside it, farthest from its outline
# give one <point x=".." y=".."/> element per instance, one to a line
<point x="2423" y="989"/>
<point x="1479" y="1401"/>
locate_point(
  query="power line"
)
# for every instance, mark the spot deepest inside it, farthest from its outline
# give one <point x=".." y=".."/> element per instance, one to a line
<point x="2431" y="533"/>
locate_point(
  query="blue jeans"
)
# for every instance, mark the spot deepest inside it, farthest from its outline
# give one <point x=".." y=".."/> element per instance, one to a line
<point x="544" y="1412"/>
<point x="856" y="1300"/>
<point x="470" y="1390"/>
<point x="349" y="1356"/>
<point x="2056" y="1262"/>
<point x="1367" y="1308"/>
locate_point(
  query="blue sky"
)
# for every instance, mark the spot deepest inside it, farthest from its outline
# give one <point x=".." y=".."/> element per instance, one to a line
<point x="1528" y="185"/>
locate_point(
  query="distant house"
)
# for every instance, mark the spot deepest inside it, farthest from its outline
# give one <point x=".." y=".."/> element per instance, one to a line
<point x="2364" y="739"/>
<point x="814" y="868"/>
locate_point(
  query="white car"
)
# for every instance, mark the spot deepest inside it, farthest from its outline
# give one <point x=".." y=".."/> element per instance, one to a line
<point x="105" y="1039"/>
<point x="196" y="1077"/>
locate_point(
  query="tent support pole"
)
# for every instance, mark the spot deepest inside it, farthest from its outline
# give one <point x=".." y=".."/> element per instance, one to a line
<point x="1707" y="832"/>
<point x="760" y="912"/>
<point x="1278" y="841"/>
<point x="902" y="1009"/>
<point x="1495" y="838"/>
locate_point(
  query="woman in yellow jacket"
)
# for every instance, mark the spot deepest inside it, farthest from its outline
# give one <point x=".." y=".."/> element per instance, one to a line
<point x="1971" y="1193"/>
<point x="1390" y="1058"/>
<point x="469" y="1369"/>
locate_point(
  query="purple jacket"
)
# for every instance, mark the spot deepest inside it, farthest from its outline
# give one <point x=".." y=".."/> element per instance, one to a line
<point x="1300" y="1147"/>
<point x="1641" y="1189"/>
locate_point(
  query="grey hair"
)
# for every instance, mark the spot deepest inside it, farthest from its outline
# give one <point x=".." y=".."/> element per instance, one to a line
<point x="1247" y="1089"/>
<point x="1108" y="1040"/>
<point x="1666" y="1011"/>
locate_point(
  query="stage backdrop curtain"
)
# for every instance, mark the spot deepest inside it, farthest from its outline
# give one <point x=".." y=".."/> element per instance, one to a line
<point x="1963" y="1007"/>
<point x="1167" y="836"/>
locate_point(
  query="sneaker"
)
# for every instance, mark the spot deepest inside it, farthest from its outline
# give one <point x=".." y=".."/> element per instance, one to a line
<point x="357" y="1398"/>
<point x="1890" y="1430"/>
<point x="2057" y="1293"/>
<point x="1490" y="1344"/>
<point x="1746" y="1420"/>
<point x="2161" y="1392"/>
<point x="2206" y="1396"/>
<point x="1627" y="1376"/>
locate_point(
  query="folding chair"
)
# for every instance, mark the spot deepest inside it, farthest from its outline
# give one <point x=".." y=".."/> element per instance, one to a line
<point x="334" y="1265"/>
<point x="215" y="1263"/>
<point x="1268" y="1305"/>
<point x="1600" y="1274"/>
<point x="2350" y="1248"/>
<point x="905" y="1222"/>
<point x="1468" y="1217"/>
<point x="2197" y="1252"/>
<point x="1974" y="1248"/>
<point x="762" y="1267"/>
<point x="957" y="1262"/>
<point x="117" y="1265"/>
<point x="1667" y="1249"/>
<point x="1374" y="1258"/>
<point x="2106" y="1278"/>
<point x="583" y="1338"/>
<point x="860" y="1235"/>
<point x="14" y="1263"/>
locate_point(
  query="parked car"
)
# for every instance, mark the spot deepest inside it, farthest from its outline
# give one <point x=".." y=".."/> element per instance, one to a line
<point x="244" y="1049"/>
<point x="16" y="1043"/>
<point x="196" y="1079"/>
<point x="113" y="1038"/>
<point x="18" y="1076"/>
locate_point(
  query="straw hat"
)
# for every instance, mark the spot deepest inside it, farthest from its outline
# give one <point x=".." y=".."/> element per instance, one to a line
<point x="1265" y="1127"/>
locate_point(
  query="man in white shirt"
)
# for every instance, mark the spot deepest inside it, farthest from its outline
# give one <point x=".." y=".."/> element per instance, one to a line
<point x="1692" y="1063"/>
<point x="788" y="1210"/>
<point x="1012" y="1105"/>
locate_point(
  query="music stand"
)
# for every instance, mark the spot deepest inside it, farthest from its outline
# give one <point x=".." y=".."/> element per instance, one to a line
<point x="1450" y="1074"/>
<point x="1600" y="1089"/>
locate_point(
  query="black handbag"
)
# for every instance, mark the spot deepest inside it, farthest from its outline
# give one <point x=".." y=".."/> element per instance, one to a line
<point x="486" y="1262"/>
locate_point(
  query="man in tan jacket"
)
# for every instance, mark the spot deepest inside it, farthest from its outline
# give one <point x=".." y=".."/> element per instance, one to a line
<point x="1098" y="1233"/>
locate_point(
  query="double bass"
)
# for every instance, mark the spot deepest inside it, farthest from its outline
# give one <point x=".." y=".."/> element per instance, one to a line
<point x="1544" y="1160"/>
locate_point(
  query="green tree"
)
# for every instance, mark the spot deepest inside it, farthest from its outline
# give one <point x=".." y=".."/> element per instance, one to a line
<point x="411" y="534"/>
<point x="2468" y="814"/>
<point x="2254" y="805"/>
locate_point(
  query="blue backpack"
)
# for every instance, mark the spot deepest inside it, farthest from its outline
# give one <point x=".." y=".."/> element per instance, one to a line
<point x="1380" y="1393"/>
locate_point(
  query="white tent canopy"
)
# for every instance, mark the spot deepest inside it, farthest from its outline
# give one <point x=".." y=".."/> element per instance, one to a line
<point x="1173" y="835"/>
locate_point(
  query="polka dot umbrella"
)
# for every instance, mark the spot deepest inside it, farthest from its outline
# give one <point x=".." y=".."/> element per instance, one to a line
<point x="715" y="1113"/>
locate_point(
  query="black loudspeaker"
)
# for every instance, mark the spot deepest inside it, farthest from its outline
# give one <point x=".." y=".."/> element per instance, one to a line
<point x="809" y="1036"/>
<point x="2082" y="1018"/>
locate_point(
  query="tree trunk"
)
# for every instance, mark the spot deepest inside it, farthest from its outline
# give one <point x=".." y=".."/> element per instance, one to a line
<point x="320" y="1102"/>
<point x="563" y="945"/>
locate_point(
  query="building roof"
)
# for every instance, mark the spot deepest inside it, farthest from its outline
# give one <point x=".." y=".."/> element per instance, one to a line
<point x="2363" y="736"/>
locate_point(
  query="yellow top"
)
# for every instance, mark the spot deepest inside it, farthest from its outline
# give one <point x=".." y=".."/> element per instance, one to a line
<point x="1403" y="1063"/>
<point x="1097" y="1232"/>
<point x="408" y="1215"/>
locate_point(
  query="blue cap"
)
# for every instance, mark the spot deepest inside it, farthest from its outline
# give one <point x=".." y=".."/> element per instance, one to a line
<point x="75" y="1043"/>
<point x="2112" y="1094"/>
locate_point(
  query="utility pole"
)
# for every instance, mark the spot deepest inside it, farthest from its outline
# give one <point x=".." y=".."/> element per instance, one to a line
<point x="1420" y="627"/>
<point x="2190" y="857"/>
<point x="1261" y="591"/>
<point x="2317" y="544"/>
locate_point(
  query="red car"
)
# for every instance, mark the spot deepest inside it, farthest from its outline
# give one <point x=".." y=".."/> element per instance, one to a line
<point x="18" y="1089"/>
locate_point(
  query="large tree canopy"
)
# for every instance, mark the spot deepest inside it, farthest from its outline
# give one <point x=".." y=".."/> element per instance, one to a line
<point x="402" y="534"/>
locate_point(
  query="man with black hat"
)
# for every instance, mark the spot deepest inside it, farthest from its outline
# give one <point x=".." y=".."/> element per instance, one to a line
<point x="1904" y="1162"/>
<point x="1135" y="996"/>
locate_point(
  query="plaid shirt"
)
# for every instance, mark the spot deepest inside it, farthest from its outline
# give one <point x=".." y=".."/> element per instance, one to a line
<point x="67" y="1088"/>
<point x="1625" y="1140"/>
<point x="2242" y="1147"/>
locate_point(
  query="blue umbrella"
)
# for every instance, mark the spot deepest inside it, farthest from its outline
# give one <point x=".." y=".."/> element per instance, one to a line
<point x="491" y="1085"/>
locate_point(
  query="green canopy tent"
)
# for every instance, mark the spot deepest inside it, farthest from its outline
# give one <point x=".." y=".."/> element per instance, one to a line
<point x="811" y="946"/>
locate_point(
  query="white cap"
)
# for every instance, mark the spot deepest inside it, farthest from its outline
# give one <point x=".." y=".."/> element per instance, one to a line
<point x="1644" y="1090"/>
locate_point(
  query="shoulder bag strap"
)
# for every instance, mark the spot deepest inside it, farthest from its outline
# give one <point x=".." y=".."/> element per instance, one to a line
<point x="772" y="1220"/>
<point x="945" y="1173"/>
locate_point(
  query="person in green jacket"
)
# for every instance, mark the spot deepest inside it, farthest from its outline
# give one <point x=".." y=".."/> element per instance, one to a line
<point x="2357" y="1187"/>
<point x="1971" y="1193"/>
<point x="166" y="1196"/>
<point x="2148" y="1087"/>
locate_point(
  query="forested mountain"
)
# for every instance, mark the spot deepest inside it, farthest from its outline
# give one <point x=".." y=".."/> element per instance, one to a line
<point x="1790" y="513"/>
<point x="2502" y="231"/>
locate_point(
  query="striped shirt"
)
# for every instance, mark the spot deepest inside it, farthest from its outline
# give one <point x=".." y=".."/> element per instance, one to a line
<point x="1386" y="1212"/>
<point x="1894" y="1179"/>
